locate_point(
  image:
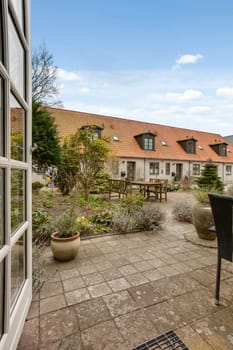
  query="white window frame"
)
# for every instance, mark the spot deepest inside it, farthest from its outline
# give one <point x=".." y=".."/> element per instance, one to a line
<point x="15" y="314"/>
<point x="196" y="172"/>
<point x="154" y="168"/>
<point x="228" y="170"/>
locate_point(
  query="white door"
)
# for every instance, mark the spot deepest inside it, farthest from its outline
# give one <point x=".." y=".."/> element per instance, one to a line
<point x="15" y="170"/>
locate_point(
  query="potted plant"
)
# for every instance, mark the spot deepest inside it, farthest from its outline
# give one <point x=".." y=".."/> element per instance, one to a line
<point x="202" y="215"/>
<point x="209" y="181"/>
<point x="66" y="240"/>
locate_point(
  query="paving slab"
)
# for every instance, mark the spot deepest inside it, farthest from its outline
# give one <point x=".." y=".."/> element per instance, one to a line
<point x="56" y="325"/>
<point x="73" y="283"/>
<point x="120" y="303"/>
<point x="136" y="328"/>
<point x="52" y="303"/>
<point x="123" y="290"/>
<point x="118" y="284"/>
<point x="104" y="336"/>
<point x="145" y="295"/>
<point x="92" y="312"/>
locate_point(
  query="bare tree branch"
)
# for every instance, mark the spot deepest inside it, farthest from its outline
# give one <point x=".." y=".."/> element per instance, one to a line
<point x="44" y="75"/>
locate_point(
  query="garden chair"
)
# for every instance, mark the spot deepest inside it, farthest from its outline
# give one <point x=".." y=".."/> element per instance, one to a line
<point x="222" y="209"/>
<point x="163" y="193"/>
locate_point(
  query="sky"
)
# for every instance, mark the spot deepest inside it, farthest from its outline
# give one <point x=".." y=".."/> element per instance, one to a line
<point x="168" y="62"/>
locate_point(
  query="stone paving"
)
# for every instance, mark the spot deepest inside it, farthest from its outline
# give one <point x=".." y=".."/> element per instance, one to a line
<point x="125" y="289"/>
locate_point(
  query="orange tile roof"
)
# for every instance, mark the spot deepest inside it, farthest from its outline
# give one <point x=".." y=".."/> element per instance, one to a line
<point x="68" y="122"/>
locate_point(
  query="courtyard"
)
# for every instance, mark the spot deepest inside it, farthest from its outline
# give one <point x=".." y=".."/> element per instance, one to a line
<point x="122" y="290"/>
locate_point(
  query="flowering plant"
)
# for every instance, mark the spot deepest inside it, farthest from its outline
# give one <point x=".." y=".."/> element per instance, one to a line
<point x="83" y="224"/>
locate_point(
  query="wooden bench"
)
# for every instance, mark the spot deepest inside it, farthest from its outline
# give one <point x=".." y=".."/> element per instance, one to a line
<point x="118" y="188"/>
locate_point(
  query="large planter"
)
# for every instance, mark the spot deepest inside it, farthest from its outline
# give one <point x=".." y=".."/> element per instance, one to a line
<point x="65" y="249"/>
<point x="203" y="220"/>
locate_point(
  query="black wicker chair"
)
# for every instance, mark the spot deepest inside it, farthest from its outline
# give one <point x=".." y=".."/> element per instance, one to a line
<point x="222" y="209"/>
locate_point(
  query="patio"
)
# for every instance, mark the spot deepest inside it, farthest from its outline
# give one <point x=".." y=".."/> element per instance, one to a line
<point x="122" y="290"/>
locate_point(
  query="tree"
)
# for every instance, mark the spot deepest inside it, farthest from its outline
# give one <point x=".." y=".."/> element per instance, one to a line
<point x="44" y="75"/>
<point x="82" y="158"/>
<point x="45" y="137"/>
<point x="209" y="179"/>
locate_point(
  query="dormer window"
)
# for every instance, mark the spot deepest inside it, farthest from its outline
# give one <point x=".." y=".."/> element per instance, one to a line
<point x="146" y="141"/>
<point x="220" y="148"/>
<point x="188" y="145"/>
<point x="96" y="130"/>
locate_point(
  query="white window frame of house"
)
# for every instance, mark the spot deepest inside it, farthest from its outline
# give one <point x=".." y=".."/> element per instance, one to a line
<point x="15" y="259"/>
<point x="196" y="169"/>
<point x="167" y="168"/>
<point x="228" y="170"/>
<point x="154" y="168"/>
<point x="148" y="143"/>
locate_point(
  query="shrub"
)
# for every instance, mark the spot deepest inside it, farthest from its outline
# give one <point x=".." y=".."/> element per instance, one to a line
<point x="202" y="196"/>
<point x="93" y="204"/>
<point x="83" y="225"/>
<point x="209" y="179"/>
<point x="124" y="222"/>
<point x="144" y="218"/>
<point x="132" y="203"/>
<point x="40" y="225"/>
<point x="101" y="182"/>
<point x="150" y="217"/>
<point x="182" y="211"/>
<point x="102" y="218"/>
<point x="36" y="186"/>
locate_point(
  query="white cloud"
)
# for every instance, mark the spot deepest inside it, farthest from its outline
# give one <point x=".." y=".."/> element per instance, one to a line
<point x="189" y="59"/>
<point x="188" y="95"/>
<point x="66" y="75"/>
<point x="84" y="90"/>
<point x="226" y="92"/>
<point x="157" y="96"/>
<point x="199" y="109"/>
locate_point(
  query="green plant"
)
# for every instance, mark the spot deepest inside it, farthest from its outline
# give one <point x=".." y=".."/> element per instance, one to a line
<point x="67" y="224"/>
<point x="36" y="186"/>
<point x="93" y="204"/>
<point x="201" y="195"/>
<point x="132" y="203"/>
<point x="102" y="218"/>
<point x="182" y="211"/>
<point x="40" y="225"/>
<point x="124" y="222"/>
<point x="101" y="182"/>
<point x="82" y="158"/>
<point x="209" y="179"/>
<point x="45" y="136"/>
<point x="83" y="225"/>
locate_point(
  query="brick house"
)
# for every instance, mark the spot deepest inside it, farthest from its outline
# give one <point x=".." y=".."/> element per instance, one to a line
<point x="142" y="150"/>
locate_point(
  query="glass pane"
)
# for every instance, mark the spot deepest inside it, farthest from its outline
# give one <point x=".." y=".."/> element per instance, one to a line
<point x="1" y="207"/>
<point x="18" y="6"/>
<point x="17" y="130"/>
<point x="17" y="198"/>
<point x="1" y="117"/>
<point x="16" y="59"/>
<point x="1" y="297"/>
<point x="17" y="267"/>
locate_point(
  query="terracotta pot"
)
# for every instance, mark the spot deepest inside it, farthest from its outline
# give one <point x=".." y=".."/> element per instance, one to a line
<point x="203" y="220"/>
<point x="65" y="249"/>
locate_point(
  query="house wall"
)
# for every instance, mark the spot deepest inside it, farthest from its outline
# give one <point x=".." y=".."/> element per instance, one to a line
<point x="142" y="169"/>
